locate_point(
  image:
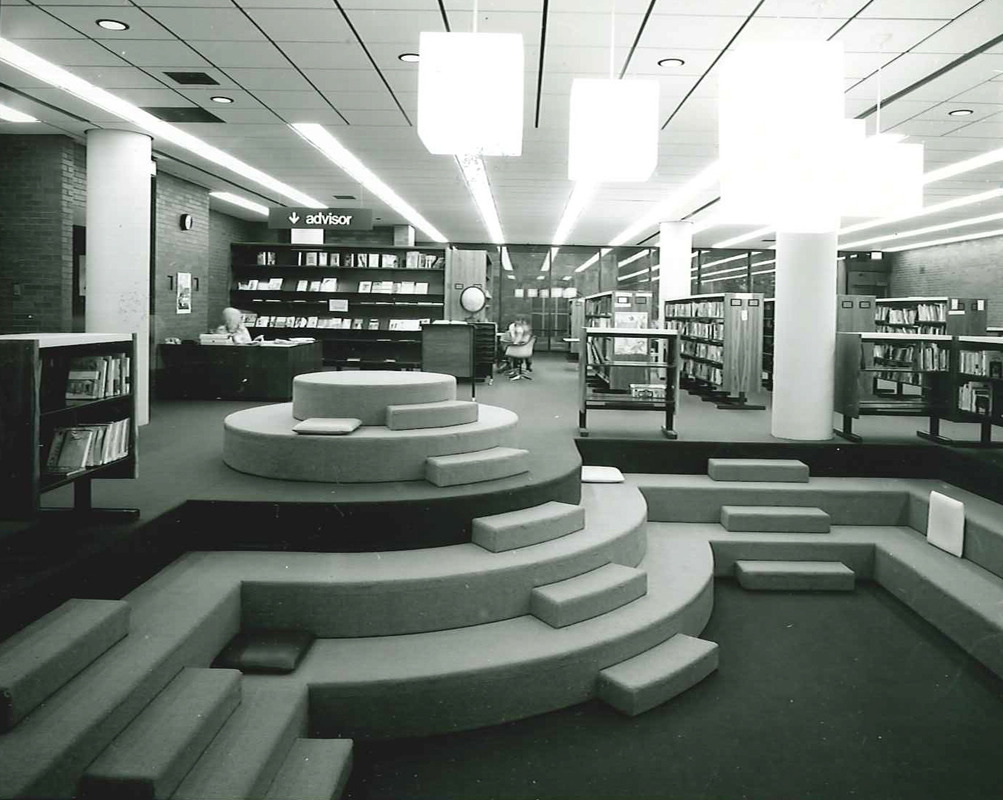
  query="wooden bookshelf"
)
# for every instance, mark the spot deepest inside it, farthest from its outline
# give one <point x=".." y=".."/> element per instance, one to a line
<point x="854" y="313"/>
<point x="36" y="368"/>
<point x="721" y="345"/>
<point x="976" y="386"/>
<point x="656" y="358"/>
<point x="921" y="359"/>
<point x="614" y="309"/>
<point x="326" y="291"/>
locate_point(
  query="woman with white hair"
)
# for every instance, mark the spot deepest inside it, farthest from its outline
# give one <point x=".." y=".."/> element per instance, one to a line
<point x="233" y="325"/>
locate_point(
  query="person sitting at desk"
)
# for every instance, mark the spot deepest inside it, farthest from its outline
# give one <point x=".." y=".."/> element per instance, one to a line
<point x="519" y="332"/>
<point x="234" y="326"/>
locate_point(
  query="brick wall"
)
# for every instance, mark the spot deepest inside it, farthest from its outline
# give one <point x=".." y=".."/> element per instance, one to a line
<point x="180" y="251"/>
<point x="963" y="269"/>
<point x="223" y="230"/>
<point x="36" y="233"/>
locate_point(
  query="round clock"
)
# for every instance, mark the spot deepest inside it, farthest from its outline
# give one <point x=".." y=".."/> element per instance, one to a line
<point x="186" y="222"/>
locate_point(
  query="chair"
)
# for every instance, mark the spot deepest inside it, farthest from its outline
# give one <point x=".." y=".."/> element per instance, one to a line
<point x="520" y="354"/>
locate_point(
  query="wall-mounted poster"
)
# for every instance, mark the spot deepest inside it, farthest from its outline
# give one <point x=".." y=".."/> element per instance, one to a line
<point x="184" y="303"/>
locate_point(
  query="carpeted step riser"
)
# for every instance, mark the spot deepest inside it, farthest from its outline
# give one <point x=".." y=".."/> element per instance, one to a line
<point x="315" y="769"/>
<point x="247" y="753"/>
<point x="758" y="470"/>
<point x="656" y="676"/>
<point x="773" y="519"/>
<point x="703" y="503"/>
<point x="37" y="661"/>
<point x="792" y="547"/>
<point x="587" y="596"/>
<point x="487" y="464"/>
<point x="795" y="576"/>
<point x="431" y="415"/>
<point x="338" y="610"/>
<point x="72" y="729"/>
<point x="153" y="754"/>
<point x="527" y="526"/>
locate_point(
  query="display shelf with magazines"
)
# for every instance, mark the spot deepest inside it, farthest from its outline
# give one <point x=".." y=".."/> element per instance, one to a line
<point x="68" y="417"/>
<point x="339" y="292"/>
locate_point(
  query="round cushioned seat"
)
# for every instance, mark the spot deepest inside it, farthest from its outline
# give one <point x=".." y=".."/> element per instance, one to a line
<point x="261" y="441"/>
<point x="366" y="394"/>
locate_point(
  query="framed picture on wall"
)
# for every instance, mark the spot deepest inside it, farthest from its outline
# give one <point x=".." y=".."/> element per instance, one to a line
<point x="184" y="299"/>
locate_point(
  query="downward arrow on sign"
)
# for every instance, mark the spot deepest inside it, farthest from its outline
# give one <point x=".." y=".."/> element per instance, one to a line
<point x="294" y="218"/>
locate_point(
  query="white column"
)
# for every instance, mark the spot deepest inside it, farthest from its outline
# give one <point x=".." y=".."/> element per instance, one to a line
<point x="118" y="246"/>
<point x="675" y="251"/>
<point x="306" y="236"/>
<point x="805" y="336"/>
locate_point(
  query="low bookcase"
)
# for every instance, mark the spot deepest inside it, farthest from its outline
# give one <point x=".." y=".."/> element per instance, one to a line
<point x="47" y="388"/>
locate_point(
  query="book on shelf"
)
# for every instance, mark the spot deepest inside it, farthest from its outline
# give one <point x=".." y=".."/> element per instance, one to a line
<point x="263" y="321"/>
<point x="97" y="377"/>
<point x="356" y="324"/>
<point x="421" y="287"/>
<point x="406" y="287"/>
<point x="314" y="286"/>
<point x="696" y="308"/>
<point x="348" y="260"/>
<point x="976" y="398"/>
<point x="383" y="287"/>
<point x="925" y="356"/>
<point x="248" y="318"/>
<point x="373" y="259"/>
<point x="301" y="322"/>
<point x="76" y="448"/>
<point x="981" y="362"/>
<point x="301" y="286"/>
<point x="329" y="285"/>
<point x="274" y="285"/>
<point x="374" y="325"/>
<point x="311" y="259"/>
<point x="322" y="259"/>
<point x="337" y="304"/>
<point x="412" y="259"/>
<point x="365" y="287"/>
<point x="388" y="261"/>
<point x="266" y="258"/>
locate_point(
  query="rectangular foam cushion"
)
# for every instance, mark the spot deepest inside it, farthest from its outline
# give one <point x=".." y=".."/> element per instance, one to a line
<point x="592" y="474"/>
<point x="327" y="426"/>
<point x="265" y="651"/>
<point x="945" y="526"/>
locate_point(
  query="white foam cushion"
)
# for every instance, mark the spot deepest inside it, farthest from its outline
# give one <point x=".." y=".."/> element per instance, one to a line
<point x="601" y="475"/>
<point x="945" y="525"/>
<point x="328" y="426"/>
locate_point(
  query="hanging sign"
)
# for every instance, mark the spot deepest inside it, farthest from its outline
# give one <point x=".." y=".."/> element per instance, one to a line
<point x="338" y="219"/>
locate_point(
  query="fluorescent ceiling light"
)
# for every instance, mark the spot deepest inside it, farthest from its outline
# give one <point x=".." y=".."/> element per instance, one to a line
<point x="950" y="240"/>
<point x="929" y="229"/>
<point x="632" y="275"/>
<point x="759" y="233"/>
<point x="633" y="258"/>
<point x="243" y="202"/>
<point x="601" y="254"/>
<point x="8" y="114"/>
<point x="476" y="176"/>
<point x="669" y="208"/>
<point x="975" y="162"/>
<point x="705" y="224"/>
<point x="506" y="261"/>
<point x="335" y="151"/>
<point x="46" y="71"/>
<point x="947" y="205"/>
<point x="580" y="197"/>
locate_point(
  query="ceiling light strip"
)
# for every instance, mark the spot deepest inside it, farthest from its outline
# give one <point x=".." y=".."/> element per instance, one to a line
<point x="8" y="114"/>
<point x="759" y="233"/>
<point x="338" y="154"/>
<point x="48" y="72"/>
<point x="243" y="202"/>
<point x="967" y="165"/>
<point x="950" y="240"/>
<point x="669" y="208"/>
<point x="963" y="223"/>
<point x="580" y="197"/>
<point x="476" y="176"/>
<point x="947" y="205"/>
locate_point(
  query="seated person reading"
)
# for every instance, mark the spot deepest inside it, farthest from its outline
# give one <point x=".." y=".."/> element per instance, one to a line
<point x="519" y="332"/>
<point x="234" y="326"/>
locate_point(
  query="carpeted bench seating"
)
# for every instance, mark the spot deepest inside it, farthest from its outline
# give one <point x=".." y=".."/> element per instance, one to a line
<point x="315" y="769"/>
<point x="795" y="576"/>
<point x="527" y="526"/>
<point x="589" y="595"/>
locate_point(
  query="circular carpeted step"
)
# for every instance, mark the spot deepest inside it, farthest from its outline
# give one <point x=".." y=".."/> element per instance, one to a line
<point x="260" y="441"/>
<point x="366" y="394"/>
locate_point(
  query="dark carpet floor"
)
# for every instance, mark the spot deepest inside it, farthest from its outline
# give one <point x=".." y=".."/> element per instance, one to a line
<point x="818" y="697"/>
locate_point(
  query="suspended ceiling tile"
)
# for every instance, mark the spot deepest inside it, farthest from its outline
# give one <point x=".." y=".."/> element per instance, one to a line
<point x="810" y="8"/>
<point x="158" y="98"/>
<point x="644" y="62"/>
<point x="926" y="127"/>
<point x="196" y="3"/>
<point x="333" y="56"/>
<point x="203" y="97"/>
<point x="910" y="68"/>
<point x="208" y="24"/>
<point x="988" y="92"/>
<point x="27" y="22"/>
<point x="158" y="53"/>
<point x="227" y="55"/>
<point x="369" y="101"/>
<point x="981" y="111"/>
<point x="989" y="129"/>
<point x="591" y="30"/>
<point x="968" y="31"/>
<point x="885" y="35"/>
<point x="362" y="117"/>
<point x="275" y="79"/>
<point x="670" y="33"/>
<point x="775" y="29"/>
<point x="112" y="78"/>
<point x="400" y="26"/>
<point x="918" y="9"/>
<point x="244" y="116"/>
<point x="304" y="25"/>
<point x="297" y="101"/>
<point x="84" y="19"/>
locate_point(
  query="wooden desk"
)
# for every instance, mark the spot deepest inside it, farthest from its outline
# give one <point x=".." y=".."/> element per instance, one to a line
<point x="235" y="372"/>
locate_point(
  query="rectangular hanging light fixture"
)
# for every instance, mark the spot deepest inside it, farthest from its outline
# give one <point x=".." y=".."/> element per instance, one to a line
<point x="337" y="153"/>
<point x="470" y="88"/>
<point x="881" y="176"/>
<point x="613" y="130"/>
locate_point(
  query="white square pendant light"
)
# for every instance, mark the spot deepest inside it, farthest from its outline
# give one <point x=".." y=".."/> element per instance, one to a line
<point x="470" y="93"/>
<point x="882" y="177"/>
<point x="781" y="133"/>
<point x="613" y="131"/>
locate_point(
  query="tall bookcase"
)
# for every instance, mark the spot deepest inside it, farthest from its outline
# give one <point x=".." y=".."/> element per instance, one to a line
<point x="613" y="309"/>
<point x="34" y="405"/>
<point x="327" y="291"/>
<point x="721" y="345"/>
<point x="854" y="312"/>
<point x="976" y="389"/>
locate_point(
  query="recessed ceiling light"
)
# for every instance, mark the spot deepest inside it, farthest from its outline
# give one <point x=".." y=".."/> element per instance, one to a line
<point x="8" y="114"/>
<point x="221" y="99"/>
<point x="408" y="58"/>
<point x="112" y="25"/>
<point x="960" y="112"/>
<point x="671" y="62"/>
